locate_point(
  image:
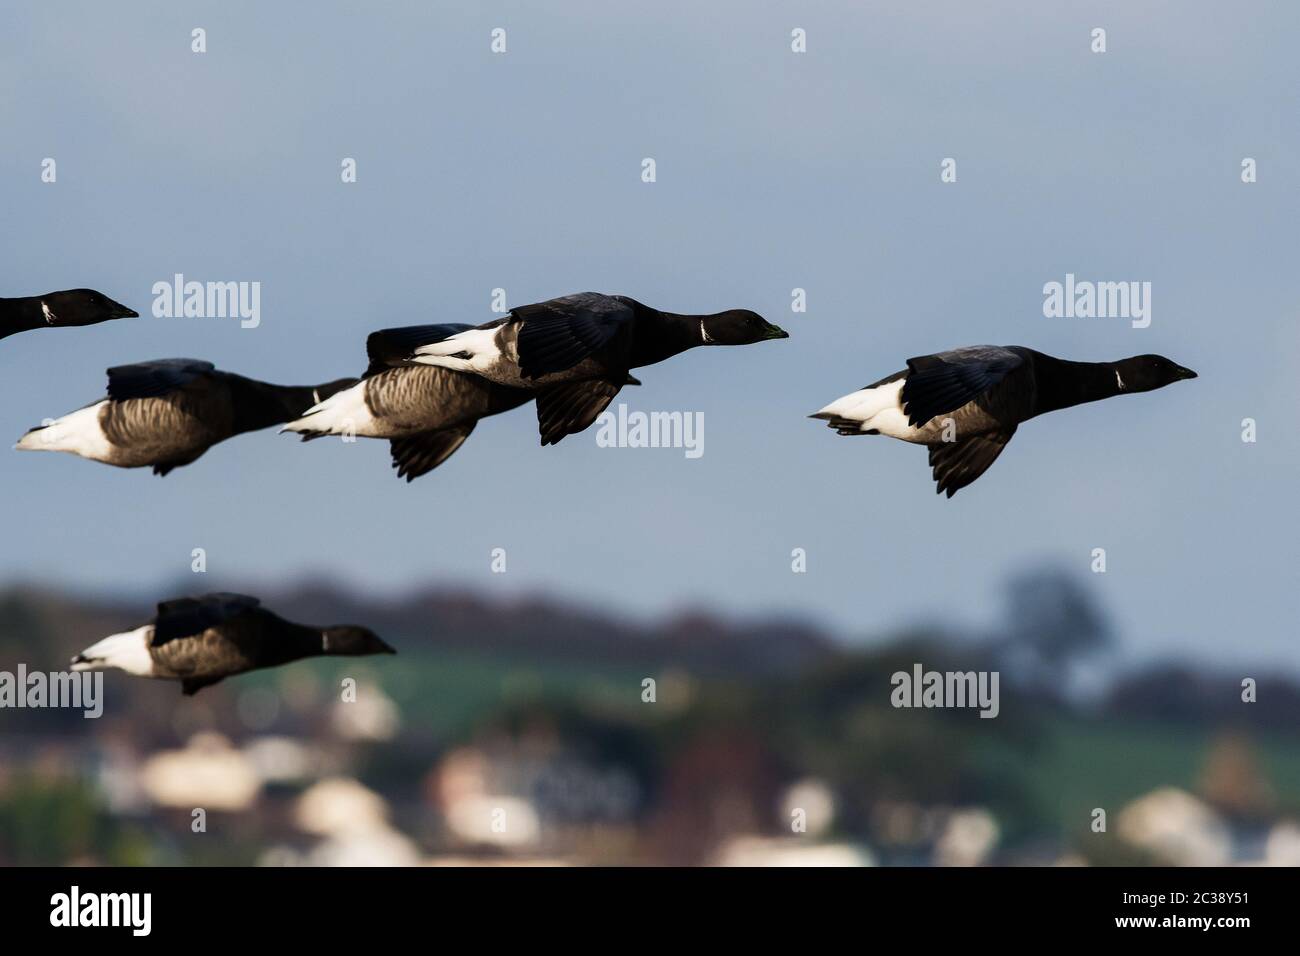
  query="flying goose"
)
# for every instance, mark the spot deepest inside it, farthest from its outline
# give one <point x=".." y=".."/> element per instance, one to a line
<point x="58" y="310"/>
<point x="168" y="412"/>
<point x="200" y="641"/>
<point x="966" y="404"/>
<point x="425" y="411"/>
<point x="574" y="352"/>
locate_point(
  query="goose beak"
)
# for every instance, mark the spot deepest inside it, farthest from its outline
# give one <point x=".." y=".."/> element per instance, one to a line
<point x="775" y="332"/>
<point x="1185" y="372"/>
<point x="118" y="311"/>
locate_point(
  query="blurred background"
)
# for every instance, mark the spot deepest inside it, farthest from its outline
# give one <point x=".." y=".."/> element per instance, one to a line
<point x="521" y="692"/>
<point x="518" y="731"/>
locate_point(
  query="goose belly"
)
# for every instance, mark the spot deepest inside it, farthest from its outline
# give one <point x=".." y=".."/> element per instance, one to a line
<point x="507" y="372"/>
<point x="879" y="410"/>
<point x="960" y="423"/>
<point x="209" y="654"/>
<point x="149" y="431"/>
<point x="410" y="401"/>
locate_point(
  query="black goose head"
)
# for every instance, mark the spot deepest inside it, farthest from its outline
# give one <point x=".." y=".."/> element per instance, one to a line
<point x="1145" y="373"/>
<point x="349" y="641"/>
<point x="81" y="307"/>
<point x="738" y="327"/>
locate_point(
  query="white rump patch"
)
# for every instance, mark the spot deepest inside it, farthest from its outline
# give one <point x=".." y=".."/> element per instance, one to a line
<point x="78" y="433"/>
<point x="128" y="651"/>
<point x="877" y="409"/>
<point x="343" y="413"/>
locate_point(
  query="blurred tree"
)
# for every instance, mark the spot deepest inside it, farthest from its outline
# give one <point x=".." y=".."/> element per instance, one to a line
<point x="45" y="822"/>
<point x="836" y="724"/>
<point x="1052" y="623"/>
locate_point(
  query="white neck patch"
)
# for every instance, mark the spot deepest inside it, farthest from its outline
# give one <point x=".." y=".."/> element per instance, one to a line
<point x="49" y="316"/>
<point x="1119" y="381"/>
<point x="704" y="333"/>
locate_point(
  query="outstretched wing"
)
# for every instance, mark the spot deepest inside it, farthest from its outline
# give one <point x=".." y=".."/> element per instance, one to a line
<point x="151" y="379"/>
<point x="392" y="348"/>
<point x="558" y="334"/>
<point x="420" y="454"/>
<point x="956" y="464"/>
<point x="571" y="407"/>
<point x="185" y="617"/>
<point x="946" y="381"/>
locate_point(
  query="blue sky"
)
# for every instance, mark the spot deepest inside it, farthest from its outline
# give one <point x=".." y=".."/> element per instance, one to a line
<point x="775" y="171"/>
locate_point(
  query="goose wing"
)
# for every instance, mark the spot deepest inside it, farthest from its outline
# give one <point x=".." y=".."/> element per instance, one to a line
<point x="420" y="454"/>
<point x="558" y="334"/>
<point x="956" y="464"/>
<point x="152" y="379"/>
<point x="393" y="348"/>
<point x="186" y="617"/>
<point x="946" y="381"/>
<point x="571" y="407"/>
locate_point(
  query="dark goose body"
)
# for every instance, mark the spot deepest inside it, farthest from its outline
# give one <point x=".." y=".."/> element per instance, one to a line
<point x="965" y="404"/>
<point x="575" y="351"/>
<point x="167" y="413"/>
<point x="200" y="641"/>
<point x="426" y="412"/>
<point x="66" y="309"/>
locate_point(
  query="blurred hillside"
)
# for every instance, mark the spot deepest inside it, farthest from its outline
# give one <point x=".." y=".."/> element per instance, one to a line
<point x="520" y="732"/>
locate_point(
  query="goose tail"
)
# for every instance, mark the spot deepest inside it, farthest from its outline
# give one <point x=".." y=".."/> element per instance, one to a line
<point x="342" y="413"/>
<point x="839" y="413"/>
<point x="128" y="651"/>
<point x="79" y="432"/>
